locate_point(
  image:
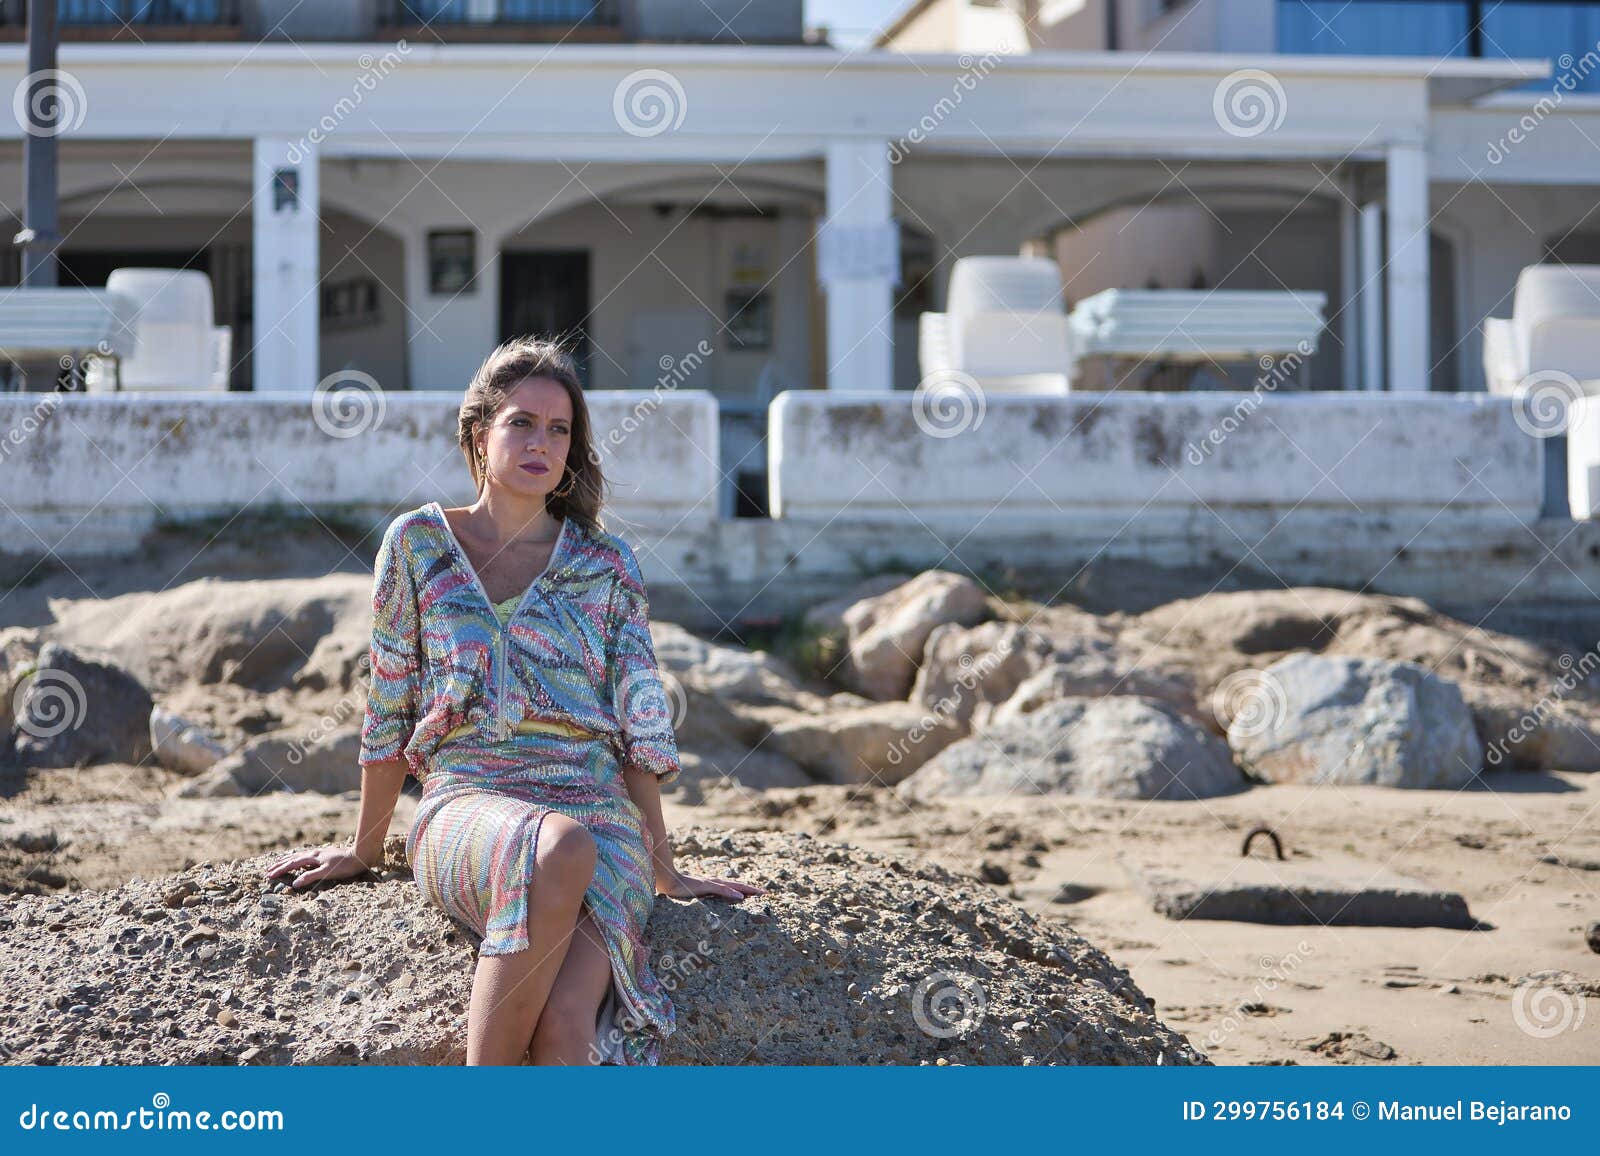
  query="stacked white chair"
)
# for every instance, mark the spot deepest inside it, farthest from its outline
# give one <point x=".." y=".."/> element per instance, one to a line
<point x="178" y="346"/>
<point x="1004" y="325"/>
<point x="1554" y="329"/>
<point x="1197" y="325"/>
<point x="40" y="324"/>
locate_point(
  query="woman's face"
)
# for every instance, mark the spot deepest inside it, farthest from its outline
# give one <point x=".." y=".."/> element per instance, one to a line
<point x="527" y="441"/>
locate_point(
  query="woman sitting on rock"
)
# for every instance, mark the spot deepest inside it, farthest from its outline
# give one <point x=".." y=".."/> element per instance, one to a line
<point x="512" y="672"/>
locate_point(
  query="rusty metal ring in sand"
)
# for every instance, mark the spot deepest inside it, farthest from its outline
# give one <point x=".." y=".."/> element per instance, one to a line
<point x="1262" y="829"/>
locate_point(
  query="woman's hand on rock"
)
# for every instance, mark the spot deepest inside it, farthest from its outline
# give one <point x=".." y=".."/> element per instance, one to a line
<point x="679" y="885"/>
<point x="326" y="864"/>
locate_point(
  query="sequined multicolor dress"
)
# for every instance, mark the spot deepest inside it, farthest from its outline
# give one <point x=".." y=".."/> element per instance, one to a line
<point x="508" y="714"/>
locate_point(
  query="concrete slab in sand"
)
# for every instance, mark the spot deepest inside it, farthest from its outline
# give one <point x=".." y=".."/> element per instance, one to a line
<point x="1335" y="890"/>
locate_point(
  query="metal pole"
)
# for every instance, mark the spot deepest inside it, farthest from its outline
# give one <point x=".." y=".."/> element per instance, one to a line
<point x="39" y="237"/>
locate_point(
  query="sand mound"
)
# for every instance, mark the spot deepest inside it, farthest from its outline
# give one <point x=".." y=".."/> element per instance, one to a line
<point x="850" y="958"/>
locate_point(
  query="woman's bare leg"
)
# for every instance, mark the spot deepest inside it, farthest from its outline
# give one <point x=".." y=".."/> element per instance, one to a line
<point x="509" y="991"/>
<point x="565" y="1032"/>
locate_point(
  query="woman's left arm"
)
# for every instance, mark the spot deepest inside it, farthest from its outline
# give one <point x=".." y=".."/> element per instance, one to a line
<point x="644" y="789"/>
<point x="648" y="744"/>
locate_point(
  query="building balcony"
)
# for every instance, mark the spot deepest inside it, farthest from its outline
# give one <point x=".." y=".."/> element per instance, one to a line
<point x="131" y="20"/>
<point x="502" y="20"/>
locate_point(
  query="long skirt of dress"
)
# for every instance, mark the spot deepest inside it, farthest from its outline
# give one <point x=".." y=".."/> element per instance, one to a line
<point x="473" y="846"/>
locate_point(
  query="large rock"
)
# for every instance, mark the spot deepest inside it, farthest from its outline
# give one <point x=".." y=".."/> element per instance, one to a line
<point x="255" y="634"/>
<point x="78" y="710"/>
<point x="967" y="671"/>
<point x="285" y="761"/>
<point x="886" y="634"/>
<point x="1533" y="705"/>
<point x="881" y="743"/>
<point x="1312" y="719"/>
<point x="1094" y="669"/>
<point x="1121" y="747"/>
<point x="850" y="958"/>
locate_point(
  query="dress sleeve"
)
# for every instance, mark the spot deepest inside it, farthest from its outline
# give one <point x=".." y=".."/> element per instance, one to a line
<point x="394" y="660"/>
<point x="633" y="679"/>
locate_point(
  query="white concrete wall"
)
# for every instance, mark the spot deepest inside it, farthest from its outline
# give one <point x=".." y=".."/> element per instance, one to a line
<point x="87" y="474"/>
<point x="1246" y="462"/>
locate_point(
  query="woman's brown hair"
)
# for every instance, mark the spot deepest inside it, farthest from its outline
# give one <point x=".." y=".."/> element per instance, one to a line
<point x="580" y="493"/>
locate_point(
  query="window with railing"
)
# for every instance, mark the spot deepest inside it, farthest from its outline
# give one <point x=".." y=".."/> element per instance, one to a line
<point x="449" y="12"/>
<point x="136" y="12"/>
<point x="1567" y="32"/>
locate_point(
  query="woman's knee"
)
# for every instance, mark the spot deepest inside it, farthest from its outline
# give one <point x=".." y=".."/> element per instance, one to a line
<point x="566" y="851"/>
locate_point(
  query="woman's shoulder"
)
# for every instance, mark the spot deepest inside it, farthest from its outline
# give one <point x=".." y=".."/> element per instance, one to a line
<point x="607" y="550"/>
<point x="411" y="533"/>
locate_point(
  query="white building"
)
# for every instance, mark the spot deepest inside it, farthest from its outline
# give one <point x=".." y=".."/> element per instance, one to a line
<point x="698" y="195"/>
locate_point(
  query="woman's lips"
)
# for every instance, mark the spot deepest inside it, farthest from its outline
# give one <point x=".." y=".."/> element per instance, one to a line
<point x="536" y="468"/>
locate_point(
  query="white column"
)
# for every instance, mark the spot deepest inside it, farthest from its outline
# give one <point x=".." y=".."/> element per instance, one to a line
<point x="287" y="292"/>
<point x="1371" y="289"/>
<point x="1350" y="303"/>
<point x="1407" y="258"/>
<point x="858" y="259"/>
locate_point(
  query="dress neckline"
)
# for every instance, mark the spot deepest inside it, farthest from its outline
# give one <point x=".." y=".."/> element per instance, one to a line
<point x="466" y="563"/>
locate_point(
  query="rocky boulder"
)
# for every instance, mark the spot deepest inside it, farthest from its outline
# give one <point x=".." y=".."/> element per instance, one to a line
<point x="1533" y="705"/>
<point x="885" y="635"/>
<point x="1120" y="747"/>
<point x="1315" y="719"/>
<point x="851" y="957"/>
<point x="881" y="743"/>
<point x="77" y="710"/>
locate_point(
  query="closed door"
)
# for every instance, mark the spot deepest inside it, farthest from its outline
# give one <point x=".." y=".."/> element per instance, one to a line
<point x="545" y="293"/>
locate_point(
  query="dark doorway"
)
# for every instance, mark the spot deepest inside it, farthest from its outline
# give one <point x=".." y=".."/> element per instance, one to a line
<point x="545" y="293"/>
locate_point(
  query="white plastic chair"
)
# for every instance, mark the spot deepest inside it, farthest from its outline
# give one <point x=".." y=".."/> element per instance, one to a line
<point x="1005" y="325"/>
<point x="1554" y="327"/>
<point x="178" y="346"/>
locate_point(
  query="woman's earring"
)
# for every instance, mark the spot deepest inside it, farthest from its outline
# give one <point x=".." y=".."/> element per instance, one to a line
<point x="567" y="486"/>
